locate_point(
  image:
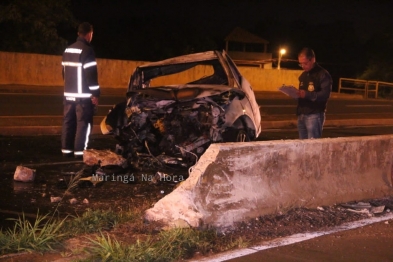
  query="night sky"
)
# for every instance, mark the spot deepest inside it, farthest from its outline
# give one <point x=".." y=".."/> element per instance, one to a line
<point x="150" y="30"/>
<point x="114" y="19"/>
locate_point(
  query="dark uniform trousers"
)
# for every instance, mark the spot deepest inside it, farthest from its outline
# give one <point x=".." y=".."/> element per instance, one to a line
<point x="77" y="121"/>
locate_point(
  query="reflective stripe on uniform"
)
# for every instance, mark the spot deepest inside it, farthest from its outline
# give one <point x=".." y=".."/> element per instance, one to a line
<point x="94" y="87"/>
<point x="90" y="64"/>
<point x="74" y="64"/>
<point x="87" y="135"/>
<point x="70" y="98"/>
<point x="83" y="95"/>
<point x="78" y="153"/>
<point x="80" y="91"/>
<point x="73" y="50"/>
<point x="66" y="151"/>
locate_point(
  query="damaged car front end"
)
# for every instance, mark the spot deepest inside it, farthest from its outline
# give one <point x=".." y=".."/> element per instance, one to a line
<point x="175" y="108"/>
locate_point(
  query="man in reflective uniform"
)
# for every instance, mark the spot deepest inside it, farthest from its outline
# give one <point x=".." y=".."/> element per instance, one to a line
<point x="315" y="86"/>
<point x="81" y="92"/>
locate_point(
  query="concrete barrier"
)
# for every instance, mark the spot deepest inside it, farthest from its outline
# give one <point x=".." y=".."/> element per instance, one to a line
<point x="237" y="181"/>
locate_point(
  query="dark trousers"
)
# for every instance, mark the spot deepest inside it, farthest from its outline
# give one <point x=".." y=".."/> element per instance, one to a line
<point x="77" y="124"/>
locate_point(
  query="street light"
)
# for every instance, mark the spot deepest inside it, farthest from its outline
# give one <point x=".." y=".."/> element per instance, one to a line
<point x="282" y="52"/>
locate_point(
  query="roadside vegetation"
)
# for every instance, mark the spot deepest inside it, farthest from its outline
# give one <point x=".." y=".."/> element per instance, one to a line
<point x="99" y="229"/>
<point x="26" y="236"/>
<point x="122" y="234"/>
<point x="108" y="235"/>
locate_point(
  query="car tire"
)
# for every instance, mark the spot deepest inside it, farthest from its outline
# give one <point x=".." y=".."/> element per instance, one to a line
<point x="242" y="136"/>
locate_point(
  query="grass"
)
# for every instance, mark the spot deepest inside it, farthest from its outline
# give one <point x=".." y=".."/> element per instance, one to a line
<point x="93" y="221"/>
<point x="41" y="235"/>
<point x="48" y="231"/>
<point x="169" y="245"/>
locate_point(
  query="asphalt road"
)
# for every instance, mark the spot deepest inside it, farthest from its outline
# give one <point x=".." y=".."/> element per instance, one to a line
<point x="367" y="242"/>
<point x="337" y="105"/>
<point x="33" y="104"/>
<point x="29" y="113"/>
<point x="272" y="104"/>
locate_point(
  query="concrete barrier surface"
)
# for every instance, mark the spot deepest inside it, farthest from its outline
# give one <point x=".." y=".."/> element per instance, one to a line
<point x="236" y="181"/>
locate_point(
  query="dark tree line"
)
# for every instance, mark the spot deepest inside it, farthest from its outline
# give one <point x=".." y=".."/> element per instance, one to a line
<point x="34" y="25"/>
<point x="379" y="54"/>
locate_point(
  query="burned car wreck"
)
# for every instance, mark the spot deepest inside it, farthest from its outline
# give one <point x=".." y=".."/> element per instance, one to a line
<point x="175" y="108"/>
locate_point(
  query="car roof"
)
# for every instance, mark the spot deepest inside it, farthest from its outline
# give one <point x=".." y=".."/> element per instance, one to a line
<point x="191" y="58"/>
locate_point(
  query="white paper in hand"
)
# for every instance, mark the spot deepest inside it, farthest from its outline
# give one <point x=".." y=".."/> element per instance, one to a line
<point x="289" y="91"/>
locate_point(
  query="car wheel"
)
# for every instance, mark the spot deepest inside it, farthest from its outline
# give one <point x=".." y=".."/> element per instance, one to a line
<point x="242" y="136"/>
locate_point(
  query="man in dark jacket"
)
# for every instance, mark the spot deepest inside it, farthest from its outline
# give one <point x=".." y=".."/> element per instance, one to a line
<point x="81" y="92"/>
<point x="315" y="86"/>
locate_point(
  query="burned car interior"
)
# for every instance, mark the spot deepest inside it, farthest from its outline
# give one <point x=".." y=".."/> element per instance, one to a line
<point x="166" y="121"/>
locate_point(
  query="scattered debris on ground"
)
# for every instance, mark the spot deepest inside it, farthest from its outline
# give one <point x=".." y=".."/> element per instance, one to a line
<point x="51" y="180"/>
<point x="24" y="174"/>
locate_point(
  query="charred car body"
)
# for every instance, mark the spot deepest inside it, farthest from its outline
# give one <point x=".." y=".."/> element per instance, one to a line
<point x="175" y="122"/>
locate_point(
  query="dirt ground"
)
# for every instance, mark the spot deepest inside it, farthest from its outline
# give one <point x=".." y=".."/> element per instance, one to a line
<point x="39" y="151"/>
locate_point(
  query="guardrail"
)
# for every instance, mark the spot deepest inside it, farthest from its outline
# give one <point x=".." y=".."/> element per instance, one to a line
<point x="368" y="88"/>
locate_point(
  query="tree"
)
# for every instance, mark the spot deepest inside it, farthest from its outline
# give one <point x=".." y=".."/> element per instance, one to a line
<point x="32" y="25"/>
<point x="380" y="58"/>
